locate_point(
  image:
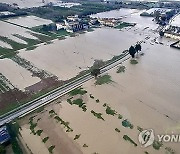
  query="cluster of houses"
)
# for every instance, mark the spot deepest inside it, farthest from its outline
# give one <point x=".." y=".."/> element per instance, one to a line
<point x="75" y="23"/>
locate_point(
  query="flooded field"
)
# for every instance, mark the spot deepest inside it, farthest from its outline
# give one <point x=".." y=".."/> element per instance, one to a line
<point x="80" y="51"/>
<point x="146" y="94"/>
<point x="19" y="77"/>
<point x="7" y="30"/>
<point x="107" y="118"/>
<point x="29" y="21"/>
<point x="115" y="13"/>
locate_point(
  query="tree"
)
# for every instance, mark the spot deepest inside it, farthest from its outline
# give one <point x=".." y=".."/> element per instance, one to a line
<point x="157" y="15"/>
<point x="132" y="51"/>
<point x="138" y="47"/>
<point x="95" y="72"/>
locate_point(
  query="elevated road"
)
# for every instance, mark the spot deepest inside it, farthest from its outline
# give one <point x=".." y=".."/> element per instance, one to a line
<point x="54" y="94"/>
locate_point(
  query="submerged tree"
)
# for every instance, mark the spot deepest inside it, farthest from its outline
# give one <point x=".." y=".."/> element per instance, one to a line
<point x="132" y="51"/>
<point x="95" y="72"/>
<point x="138" y="47"/>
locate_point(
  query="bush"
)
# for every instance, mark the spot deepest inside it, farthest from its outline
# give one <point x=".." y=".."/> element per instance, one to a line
<point x="157" y="145"/>
<point x="39" y="132"/>
<point x="77" y="136"/>
<point x="105" y="79"/>
<point x="110" y="111"/>
<point x="77" y="91"/>
<point x="91" y="96"/>
<point x="51" y="148"/>
<point x="133" y="61"/>
<point x="97" y="100"/>
<point x="45" y="139"/>
<point x="121" y="69"/>
<point x="126" y="123"/>
<point x="117" y="130"/>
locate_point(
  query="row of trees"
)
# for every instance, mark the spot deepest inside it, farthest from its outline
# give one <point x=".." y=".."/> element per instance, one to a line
<point x="135" y="49"/>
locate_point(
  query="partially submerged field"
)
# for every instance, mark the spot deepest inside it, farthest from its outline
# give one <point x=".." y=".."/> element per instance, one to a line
<point x="108" y="113"/>
<point x="107" y="116"/>
<point x="29" y="21"/>
<point x="102" y="43"/>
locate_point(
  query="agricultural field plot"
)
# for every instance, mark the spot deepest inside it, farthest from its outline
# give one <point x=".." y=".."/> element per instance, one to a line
<point x="29" y="21"/>
<point x="18" y="76"/>
<point x="13" y="38"/>
<point x="7" y="30"/>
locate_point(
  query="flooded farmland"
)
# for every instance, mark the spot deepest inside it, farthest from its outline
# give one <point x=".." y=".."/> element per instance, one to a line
<point x="7" y="30"/>
<point x="29" y="21"/>
<point x="80" y="51"/>
<point x="104" y="118"/>
<point x="19" y="76"/>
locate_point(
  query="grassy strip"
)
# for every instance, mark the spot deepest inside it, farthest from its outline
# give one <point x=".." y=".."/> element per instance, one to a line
<point x="29" y="41"/>
<point x="31" y="48"/>
<point x="15" y="45"/>
<point x="127" y="138"/>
